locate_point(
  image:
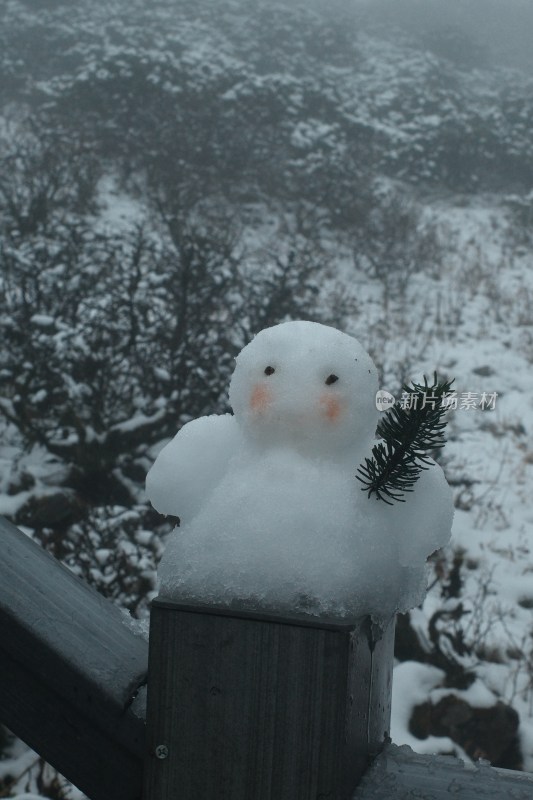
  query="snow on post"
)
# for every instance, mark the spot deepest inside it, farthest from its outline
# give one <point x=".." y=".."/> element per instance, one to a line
<point x="271" y="640"/>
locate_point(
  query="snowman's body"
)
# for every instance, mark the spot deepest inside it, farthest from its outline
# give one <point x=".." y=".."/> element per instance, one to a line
<point x="271" y="512"/>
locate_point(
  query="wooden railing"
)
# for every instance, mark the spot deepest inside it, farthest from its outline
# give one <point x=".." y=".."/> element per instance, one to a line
<point x="241" y="706"/>
<point x="69" y="669"/>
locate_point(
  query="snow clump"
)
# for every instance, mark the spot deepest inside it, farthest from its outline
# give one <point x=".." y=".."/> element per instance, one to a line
<point x="272" y="516"/>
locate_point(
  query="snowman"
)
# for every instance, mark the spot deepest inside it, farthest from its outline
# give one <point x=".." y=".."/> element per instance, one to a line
<point x="272" y="516"/>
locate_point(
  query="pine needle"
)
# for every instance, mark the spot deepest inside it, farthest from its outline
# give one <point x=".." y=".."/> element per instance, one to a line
<point x="407" y="433"/>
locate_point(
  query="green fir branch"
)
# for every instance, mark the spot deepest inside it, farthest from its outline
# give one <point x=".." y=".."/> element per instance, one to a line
<point x="406" y="433"/>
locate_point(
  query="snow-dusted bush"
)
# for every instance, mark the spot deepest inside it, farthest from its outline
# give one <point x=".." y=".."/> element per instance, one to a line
<point x="114" y="336"/>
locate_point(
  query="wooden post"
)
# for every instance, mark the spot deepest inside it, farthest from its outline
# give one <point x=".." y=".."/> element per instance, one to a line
<point x="245" y="706"/>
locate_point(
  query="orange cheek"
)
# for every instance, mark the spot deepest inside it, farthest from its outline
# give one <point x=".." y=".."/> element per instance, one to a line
<point x="260" y="399"/>
<point x="331" y="407"/>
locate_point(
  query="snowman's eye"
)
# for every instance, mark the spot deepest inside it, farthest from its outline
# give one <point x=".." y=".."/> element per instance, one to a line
<point x="269" y="370"/>
<point x="331" y="379"/>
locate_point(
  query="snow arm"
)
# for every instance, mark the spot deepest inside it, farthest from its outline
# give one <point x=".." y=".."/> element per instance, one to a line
<point x="190" y="466"/>
<point x="424" y="522"/>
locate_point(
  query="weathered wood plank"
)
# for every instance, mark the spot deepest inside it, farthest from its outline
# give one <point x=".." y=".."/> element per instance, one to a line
<point x="69" y="668"/>
<point x="382" y="654"/>
<point x="254" y="706"/>
<point x="400" y="774"/>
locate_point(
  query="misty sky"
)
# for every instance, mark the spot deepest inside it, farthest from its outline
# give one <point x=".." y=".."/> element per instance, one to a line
<point x="505" y="27"/>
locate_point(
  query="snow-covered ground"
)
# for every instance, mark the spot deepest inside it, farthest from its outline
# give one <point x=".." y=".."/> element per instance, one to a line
<point x="471" y="318"/>
<point x="23" y="774"/>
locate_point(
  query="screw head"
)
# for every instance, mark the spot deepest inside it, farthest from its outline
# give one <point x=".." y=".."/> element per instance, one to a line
<point x="161" y="751"/>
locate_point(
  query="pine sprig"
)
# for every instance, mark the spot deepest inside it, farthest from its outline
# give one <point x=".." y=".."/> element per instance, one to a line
<point x="407" y="434"/>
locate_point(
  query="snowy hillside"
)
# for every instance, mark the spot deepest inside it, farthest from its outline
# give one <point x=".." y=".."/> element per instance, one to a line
<point x="481" y="333"/>
<point x="175" y="181"/>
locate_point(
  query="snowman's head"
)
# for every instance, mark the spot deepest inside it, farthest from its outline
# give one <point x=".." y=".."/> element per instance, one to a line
<point x="306" y="385"/>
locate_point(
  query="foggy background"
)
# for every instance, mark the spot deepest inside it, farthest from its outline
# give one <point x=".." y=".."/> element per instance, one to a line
<point x="503" y="29"/>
